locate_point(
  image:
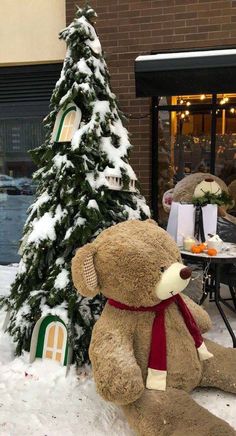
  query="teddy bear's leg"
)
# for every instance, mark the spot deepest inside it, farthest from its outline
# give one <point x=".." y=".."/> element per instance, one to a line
<point x="173" y="413"/>
<point x="220" y="370"/>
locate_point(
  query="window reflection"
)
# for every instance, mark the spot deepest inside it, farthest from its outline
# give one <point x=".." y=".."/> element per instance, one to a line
<point x="17" y="188"/>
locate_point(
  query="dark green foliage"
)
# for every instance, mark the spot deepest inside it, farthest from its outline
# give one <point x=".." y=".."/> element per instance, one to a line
<point x="209" y="198"/>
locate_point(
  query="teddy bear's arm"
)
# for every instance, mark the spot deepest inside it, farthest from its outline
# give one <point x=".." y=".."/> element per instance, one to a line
<point x="230" y="218"/>
<point x="200" y="315"/>
<point x="117" y="375"/>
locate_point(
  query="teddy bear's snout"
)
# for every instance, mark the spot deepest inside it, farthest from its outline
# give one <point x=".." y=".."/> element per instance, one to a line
<point x="185" y="273"/>
<point x="207" y="185"/>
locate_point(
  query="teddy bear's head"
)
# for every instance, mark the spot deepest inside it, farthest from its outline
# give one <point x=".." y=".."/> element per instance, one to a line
<point x="135" y="262"/>
<point x="198" y="185"/>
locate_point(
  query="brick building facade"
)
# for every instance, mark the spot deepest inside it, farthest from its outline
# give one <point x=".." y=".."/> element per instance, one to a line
<point x="129" y="28"/>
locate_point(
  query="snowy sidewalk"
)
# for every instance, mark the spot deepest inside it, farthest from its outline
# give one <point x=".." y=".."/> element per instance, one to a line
<point x="37" y="400"/>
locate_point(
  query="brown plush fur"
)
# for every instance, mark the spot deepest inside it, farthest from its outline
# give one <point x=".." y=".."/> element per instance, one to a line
<point x="184" y="190"/>
<point x="232" y="191"/>
<point x="127" y="261"/>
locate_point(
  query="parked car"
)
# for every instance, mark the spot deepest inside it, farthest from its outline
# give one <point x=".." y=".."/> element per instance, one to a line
<point x="23" y="181"/>
<point x="11" y="190"/>
<point x="27" y="185"/>
<point x="6" y="180"/>
<point x="27" y="189"/>
<point x="18" y="186"/>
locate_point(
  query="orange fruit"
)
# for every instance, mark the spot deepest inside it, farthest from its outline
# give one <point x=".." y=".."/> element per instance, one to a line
<point x="196" y="249"/>
<point x="212" y="251"/>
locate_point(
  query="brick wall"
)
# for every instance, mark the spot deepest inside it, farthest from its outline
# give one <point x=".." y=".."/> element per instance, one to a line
<point x="128" y="28"/>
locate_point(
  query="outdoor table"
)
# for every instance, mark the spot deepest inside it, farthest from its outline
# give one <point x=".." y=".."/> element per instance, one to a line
<point x="211" y="278"/>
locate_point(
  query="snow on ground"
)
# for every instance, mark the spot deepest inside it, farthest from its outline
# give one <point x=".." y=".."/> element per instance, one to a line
<point x="7" y="275"/>
<point x="39" y="400"/>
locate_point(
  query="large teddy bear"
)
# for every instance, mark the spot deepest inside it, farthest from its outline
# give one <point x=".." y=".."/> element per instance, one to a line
<point x="200" y="185"/>
<point x="146" y="350"/>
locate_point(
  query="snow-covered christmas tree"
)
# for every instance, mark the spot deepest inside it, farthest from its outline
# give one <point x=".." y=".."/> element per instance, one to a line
<point x="85" y="184"/>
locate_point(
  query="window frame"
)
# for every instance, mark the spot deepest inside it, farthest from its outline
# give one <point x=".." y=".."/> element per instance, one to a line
<point x="60" y="119"/>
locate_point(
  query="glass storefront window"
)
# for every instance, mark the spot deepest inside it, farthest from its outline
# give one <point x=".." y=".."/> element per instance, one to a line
<point x="189" y="141"/>
<point x="24" y="103"/>
<point x="17" y="189"/>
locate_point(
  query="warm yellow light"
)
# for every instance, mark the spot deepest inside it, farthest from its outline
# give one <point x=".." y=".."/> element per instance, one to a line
<point x="181" y="101"/>
<point x="202" y="97"/>
<point x="186" y="112"/>
<point x="182" y="116"/>
<point x="188" y="103"/>
<point x="224" y="100"/>
<point x="232" y="110"/>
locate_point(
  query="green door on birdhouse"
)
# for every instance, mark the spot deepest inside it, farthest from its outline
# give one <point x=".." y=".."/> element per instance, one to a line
<point x="52" y="340"/>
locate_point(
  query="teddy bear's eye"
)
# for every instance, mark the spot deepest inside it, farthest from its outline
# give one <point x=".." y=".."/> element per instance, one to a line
<point x="162" y="269"/>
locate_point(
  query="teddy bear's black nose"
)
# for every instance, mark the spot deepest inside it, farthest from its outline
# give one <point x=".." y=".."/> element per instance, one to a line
<point x="185" y="273"/>
<point x="209" y="180"/>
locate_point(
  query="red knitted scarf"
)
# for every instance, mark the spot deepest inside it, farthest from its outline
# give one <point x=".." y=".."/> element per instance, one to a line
<point x="157" y="364"/>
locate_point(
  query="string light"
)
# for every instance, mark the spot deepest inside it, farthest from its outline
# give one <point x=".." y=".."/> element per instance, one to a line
<point x="181" y="101"/>
<point x="224" y="100"/>
<point x="232" y="110"/>
<point x="184" y="114"/>
<point x="188" y="103"/>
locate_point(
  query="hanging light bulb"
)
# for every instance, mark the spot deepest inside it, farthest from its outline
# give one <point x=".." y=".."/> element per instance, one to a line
<point x="202" y="97"/>
<point x="232" y="110"/>
<point x="188" y="103"/>
<point x="181" y="101"/>
<point x="186" y="112"/>
<point x="226" y="99"/>
<point x="182" y="115"/>
<point x="222" y="101"/>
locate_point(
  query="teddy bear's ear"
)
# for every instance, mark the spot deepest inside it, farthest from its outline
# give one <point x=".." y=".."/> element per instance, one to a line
<point x="84" y="275"/>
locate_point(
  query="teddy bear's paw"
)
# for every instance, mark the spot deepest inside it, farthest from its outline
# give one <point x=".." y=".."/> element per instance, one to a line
<point x="121" y="390"/>
<point x="120" y="387"/>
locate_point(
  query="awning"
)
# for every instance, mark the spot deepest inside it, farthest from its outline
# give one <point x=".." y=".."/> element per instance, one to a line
<point x="193" y="72"/>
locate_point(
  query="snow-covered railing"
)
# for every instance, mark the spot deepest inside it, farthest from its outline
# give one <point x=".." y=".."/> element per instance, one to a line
<point x="115" y="183"/>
